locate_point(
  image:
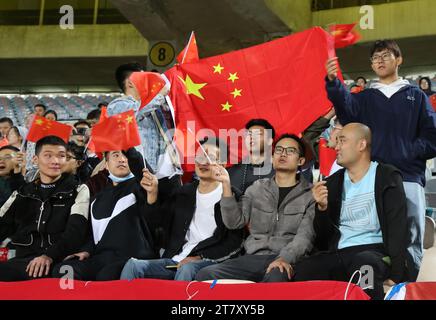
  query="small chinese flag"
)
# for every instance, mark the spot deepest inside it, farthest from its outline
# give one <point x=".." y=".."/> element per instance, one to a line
<point x="119" y="132"/>
<point x="327" y="157"/>
<point x="148" y="85"/>
<point x="42" y="127"/>
<point x="4" y="142"/>
<point x="344" y="35"/>
<point x="190" y="53"/>
<point x="103" y="115"/>
<point x="433" y="101"/>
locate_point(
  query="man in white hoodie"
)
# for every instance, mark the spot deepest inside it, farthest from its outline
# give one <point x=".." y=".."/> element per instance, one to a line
<point x="403" y="124"/>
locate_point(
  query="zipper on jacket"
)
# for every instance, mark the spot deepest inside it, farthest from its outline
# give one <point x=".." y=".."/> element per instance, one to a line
<point x="41" y="209"/>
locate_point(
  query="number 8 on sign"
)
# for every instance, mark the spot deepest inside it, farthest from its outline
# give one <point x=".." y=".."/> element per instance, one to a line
<point x="162" y="54"/>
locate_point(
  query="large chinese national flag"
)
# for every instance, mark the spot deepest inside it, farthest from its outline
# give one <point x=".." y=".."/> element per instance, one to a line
<point x="42" y="127"/>
<point x="281" y="81"/>
<point x="119" y="132"/>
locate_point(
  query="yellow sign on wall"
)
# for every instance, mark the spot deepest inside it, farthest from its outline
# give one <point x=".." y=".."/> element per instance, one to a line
<point x="162" y="54"/>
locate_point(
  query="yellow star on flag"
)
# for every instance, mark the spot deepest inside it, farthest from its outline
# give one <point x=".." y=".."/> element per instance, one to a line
<point x="218" y="68"/>
<point x="233" y="77"/>
<point x="129" y="119"/>
<point x="236" y="93"/>
<point x="39" y="122"/>
<point x="192" y="87"/>
<point x="226" y="106"/>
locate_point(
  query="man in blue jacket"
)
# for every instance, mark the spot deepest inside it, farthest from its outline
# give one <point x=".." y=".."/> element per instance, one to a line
<point x="403" y="124"/>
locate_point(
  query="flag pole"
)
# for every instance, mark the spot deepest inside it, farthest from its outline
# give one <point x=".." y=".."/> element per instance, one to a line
<point x="201" y="147"/>
<point x="187" y="47"/>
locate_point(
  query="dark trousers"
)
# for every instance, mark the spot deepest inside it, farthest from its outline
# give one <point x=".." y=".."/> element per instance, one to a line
<point x="341" y="265"/>
<point x="249" y="267"/>
<point x="15" y="270"/>
<point x="101" y="267"/>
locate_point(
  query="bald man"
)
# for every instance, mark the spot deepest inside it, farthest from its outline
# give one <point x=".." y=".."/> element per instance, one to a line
<point x="360" y="219"/>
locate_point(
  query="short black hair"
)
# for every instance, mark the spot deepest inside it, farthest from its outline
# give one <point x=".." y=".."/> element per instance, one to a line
<point x="363" y="78"/>
<point x="9" y="147"/>
<point x="387" y="44"/>
<point x="124" y="71"/>
<point x="102" y="104"/>
<point x="40" y="105"/>
<point x="77" y="151"/>
<point x="49" y="140"/>
<point x="78" y="123"/>
<point x="262" y="123"/>
<point x="300" y="142"/>
<point x="220" y="144"/>
<point x="8" y="120"/>
<point x="51" y="112"/>
<point x="94" y="114"/>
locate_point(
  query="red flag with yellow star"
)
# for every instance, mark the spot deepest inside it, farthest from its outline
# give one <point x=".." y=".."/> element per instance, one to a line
<point x="281" y="81"/>
<point x="148" y="85"/>
<point x="119" y="132"/>
<point x="344" y="35"/>
<point x="42" y="127"/>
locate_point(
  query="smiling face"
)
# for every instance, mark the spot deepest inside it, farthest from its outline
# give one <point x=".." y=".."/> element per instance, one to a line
<point x="385" y="64"/>
<point x="51" y="161"/>
<point x="117" y="164"/>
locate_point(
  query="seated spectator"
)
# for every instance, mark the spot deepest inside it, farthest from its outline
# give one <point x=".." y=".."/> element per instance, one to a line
<point x="426" y="86"/>
<point x="196" y="234"/>
<point x="46" y="219"/>
<point x="120" y="227"/>
<point x="102" y="105"/>
<point x="51" y="115"/>
<point x="259" y="138"/>
<point x="81" y="133"/>
<point x="361" y="82"/>
<point x="15" y="136"/>
<point x="93" y="117"/>
<point x="11" y="165"/>
<point x="279" y="212"/>
<point x="5" y="125"/>
<point x="360" y="218"/>
<point x="39" y="109"/>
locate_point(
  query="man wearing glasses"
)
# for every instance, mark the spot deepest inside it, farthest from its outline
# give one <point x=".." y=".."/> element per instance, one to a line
<point x="404" y="130"/>
<point x="279" y="212"/>
<point x="194" y="229"/>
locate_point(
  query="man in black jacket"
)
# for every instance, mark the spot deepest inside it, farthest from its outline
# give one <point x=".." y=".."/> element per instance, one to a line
<point x="45" y="219"/>
<point x="120" y="226"/>
<point x="11" y="167"/>
<point x="360" y="218"/>
<point x="197" y="236"/>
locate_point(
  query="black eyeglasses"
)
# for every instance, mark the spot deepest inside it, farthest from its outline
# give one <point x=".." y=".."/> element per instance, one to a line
<point x="289" y="151"/>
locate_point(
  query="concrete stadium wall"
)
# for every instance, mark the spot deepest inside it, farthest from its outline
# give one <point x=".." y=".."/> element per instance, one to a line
<point x="111" y="40"/>
<point x="405" y="19"/>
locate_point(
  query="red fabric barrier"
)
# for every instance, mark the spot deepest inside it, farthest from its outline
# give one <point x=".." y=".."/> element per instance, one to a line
<point x="150" y="289"/>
